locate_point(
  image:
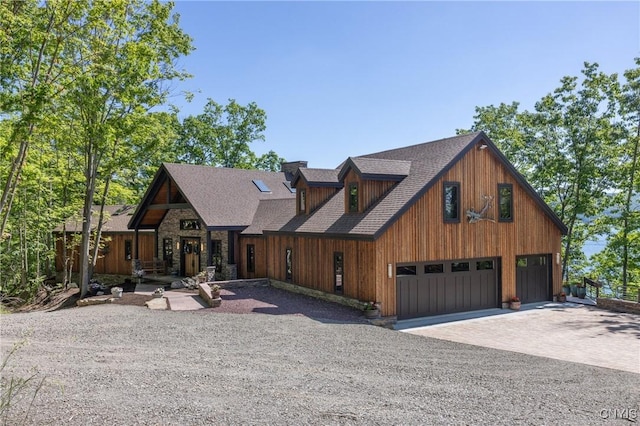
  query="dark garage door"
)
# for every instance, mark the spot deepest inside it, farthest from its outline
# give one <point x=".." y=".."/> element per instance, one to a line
<point x="532" y="278"/>
<point x="435" y="288"/>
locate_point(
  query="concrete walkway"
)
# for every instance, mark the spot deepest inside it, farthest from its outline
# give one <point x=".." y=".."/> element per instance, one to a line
<point x="564" y="331"/>
<point x="173" y="300"/>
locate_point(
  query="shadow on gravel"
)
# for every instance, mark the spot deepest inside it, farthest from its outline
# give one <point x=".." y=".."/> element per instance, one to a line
<point x="274" y="301"/>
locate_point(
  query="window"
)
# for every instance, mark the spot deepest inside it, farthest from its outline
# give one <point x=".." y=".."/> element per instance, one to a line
<point x="460" y="267"/>
<point x="216" y="254"/>
<point x="289" y="187"/>
<point x="338" y="269"/>
<point x="303" y="200"/>
<point x="353" y="197"/>
<point x="167" y="251"/>
<point x="434" y="269"/>
<point x="505" y="202"/>
<point x="127" y="250"/>
<point x="251" y="258"/>
<point x="405" y="270"/>
<point x="451" y="202"/>
<point x="288" y="264"/>
<point x="188" y="224"/>
<point x="484" y="265"/>
<point x="261" y="185"/>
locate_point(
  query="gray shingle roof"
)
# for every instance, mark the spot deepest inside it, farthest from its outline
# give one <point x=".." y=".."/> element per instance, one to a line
<point x="318" y="177"/>
<point x="118" y="218"/>
<point x="428" y="161"/>
<point x="225" y="197"/>
<point x="271" y="214"/>
<point x="377" y="168"/>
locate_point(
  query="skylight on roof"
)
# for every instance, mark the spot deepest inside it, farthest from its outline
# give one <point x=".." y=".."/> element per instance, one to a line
<point x="261" y="185"/>
<point x="289" y="187"/>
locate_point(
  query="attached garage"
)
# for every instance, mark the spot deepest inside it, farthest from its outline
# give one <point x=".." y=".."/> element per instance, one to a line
<point x="436" y="288"/>
<point x="533" y="278"/>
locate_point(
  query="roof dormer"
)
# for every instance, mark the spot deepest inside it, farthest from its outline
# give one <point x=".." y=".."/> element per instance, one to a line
<point x="368" y="179"/>
<point x="314" y="187"/>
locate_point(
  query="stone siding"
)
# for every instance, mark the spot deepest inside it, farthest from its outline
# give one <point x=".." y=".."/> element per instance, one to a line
<point x="170" y="228"/>
<point x="618" y="305"/>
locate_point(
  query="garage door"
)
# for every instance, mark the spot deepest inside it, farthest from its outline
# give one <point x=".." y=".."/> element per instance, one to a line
<point x="435" y="288"/>
<point x="532" y="278"/>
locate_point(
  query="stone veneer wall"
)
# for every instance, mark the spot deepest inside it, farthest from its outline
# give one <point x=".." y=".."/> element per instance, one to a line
<point x="170" y="228"/>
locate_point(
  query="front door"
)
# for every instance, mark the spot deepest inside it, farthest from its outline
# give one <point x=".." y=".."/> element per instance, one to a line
<point x="190" y="257"/>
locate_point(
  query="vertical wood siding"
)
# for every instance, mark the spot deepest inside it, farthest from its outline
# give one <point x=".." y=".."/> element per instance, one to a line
<point x="316" y="196"/>
<point x="369" y="191"/>
<point x="421" y="234"/>
<point x="114" y="262"/>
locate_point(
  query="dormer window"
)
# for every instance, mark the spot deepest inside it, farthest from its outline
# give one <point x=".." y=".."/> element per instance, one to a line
<point x="353" y="197"/>
<point x="302" y="205"/>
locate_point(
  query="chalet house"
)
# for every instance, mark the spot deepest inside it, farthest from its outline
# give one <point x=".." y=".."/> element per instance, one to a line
<point x="439" y="227"/>
<point x="116" y="252"/>
<point x="198" y="213"/>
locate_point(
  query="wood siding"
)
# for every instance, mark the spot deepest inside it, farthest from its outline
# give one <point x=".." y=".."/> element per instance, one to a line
<point x="114" y="261"/>
<point x="421" y="234"/>
<point x="369" y="191"/>
<point x="260" y="244"/>
<point x="312" y="261"/>
<point x="315" y="196"/>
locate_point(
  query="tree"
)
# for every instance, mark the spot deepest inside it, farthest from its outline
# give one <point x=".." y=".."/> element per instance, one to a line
<point x="33" y="73"/>
<point x="221" y="136"/>
<point x="127" y="52"/>
<point x="564" y="150"/>
<point x="619" y="263"/>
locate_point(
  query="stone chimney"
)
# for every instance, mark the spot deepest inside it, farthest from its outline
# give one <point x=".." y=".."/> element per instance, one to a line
<point x="290" y="168"/>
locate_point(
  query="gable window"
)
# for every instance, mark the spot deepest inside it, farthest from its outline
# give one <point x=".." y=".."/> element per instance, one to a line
<point x="189" y="224"/>
<point x="288" y="264"/>
<point x="251" y="258"/>
<point x="353" y="197"/>
<point x="505" y="202"/>
<point x="303" y="200"/>
<point x="451" y="202"/>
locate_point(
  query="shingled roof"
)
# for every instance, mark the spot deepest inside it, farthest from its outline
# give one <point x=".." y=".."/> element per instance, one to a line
<point x="223" y="198"/>
<point x="376" y="168"/>
<point x="318" y="177"/>
<point x="428" y="162"/>
<point x="117" y="215"/>
<point x="271" y="214"/>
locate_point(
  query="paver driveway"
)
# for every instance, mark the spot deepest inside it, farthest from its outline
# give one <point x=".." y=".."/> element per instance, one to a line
<point x="566" y="332"/>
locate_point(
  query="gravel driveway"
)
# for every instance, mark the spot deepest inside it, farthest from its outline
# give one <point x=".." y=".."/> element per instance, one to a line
<point x="127" y="365"/>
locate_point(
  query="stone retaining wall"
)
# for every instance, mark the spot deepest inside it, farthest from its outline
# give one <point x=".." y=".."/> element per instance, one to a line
<point x="618" y="305"/>
<point x="347" y="301"/>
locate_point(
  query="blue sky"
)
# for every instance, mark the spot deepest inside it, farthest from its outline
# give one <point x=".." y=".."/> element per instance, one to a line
<point x="340" y="79"/>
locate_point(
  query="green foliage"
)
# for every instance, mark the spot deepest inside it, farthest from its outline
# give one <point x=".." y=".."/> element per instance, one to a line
<point x="574" y="149"/>
<point x="16" y="390"/>
<point x="221" y="136"/>
<point x="79" y="79"/>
